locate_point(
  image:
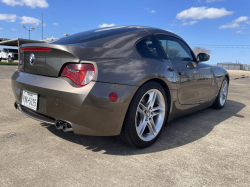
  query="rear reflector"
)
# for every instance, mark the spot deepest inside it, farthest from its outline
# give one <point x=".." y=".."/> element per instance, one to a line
<point x="34" y="49"/>
<point x="113" y="97"/>
<point x="81" y="74"/>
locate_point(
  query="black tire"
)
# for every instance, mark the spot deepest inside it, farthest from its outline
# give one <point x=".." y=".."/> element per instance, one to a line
<point x="10" y="60"/>
<point x="129" y="133"/>
<point x="217" y="103"/>
<point x="0" y="59"/>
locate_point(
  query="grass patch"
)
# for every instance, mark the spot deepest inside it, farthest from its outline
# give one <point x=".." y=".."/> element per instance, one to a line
<point x="11" y="64"/>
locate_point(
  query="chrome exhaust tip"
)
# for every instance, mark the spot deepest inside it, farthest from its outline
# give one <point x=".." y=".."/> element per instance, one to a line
<point x="67" y="127"/>
<point x="59" y="125"/>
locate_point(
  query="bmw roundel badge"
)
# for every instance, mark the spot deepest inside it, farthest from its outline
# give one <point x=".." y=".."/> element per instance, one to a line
<point x="32" y="59"/>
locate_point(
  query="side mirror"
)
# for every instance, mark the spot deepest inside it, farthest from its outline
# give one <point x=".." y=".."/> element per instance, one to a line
<point x="201" y="57"/>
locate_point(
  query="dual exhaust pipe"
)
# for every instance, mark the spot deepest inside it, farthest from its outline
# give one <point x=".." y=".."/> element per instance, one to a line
<point x="65" y="126"/>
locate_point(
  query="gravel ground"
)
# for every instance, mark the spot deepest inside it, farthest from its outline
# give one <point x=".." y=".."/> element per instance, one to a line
<point x="206" y="148"/>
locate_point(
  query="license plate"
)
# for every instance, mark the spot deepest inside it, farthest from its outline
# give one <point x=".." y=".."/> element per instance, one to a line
<point x="30" y="100"/>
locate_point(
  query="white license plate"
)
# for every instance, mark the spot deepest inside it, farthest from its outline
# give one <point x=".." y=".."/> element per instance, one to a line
<point x="30" y="99"/>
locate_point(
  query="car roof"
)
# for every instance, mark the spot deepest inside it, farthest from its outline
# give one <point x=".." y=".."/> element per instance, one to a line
<point x="153" y="30"/>
<point x="115" y="32"/>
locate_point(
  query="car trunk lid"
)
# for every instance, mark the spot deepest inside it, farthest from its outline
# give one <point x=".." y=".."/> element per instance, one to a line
<point x="45" y="59"/>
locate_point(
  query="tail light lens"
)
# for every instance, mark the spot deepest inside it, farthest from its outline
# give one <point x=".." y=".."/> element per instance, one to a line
<point x="81" y="74"/>
<point x="35" y="49"/>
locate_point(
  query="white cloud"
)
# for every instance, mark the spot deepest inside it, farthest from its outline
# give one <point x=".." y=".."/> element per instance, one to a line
<point x="232" y="25"/>
<point x="8" y="17"/>
<point x="1" y="28"/>
<point x="243" y="27"/>
<point x="202" y="13"/>
<point x="55" y="24"/>
<point x="150" y="11"/>
<point x="240" y="31"/>
<point x="44" y="24"/>
<point x="14" y="29"/>
<point x="235" y="23"/>
<point x="106" y="25"/>
<point x="210" y="1"/>
<point x="189" y="23"/>
<point x="12" y="2"/>
<point x="29" y="20"/>
<point x="241" y="19"/>
<point x="30" y="3"/>
<point x="247" y="22"/>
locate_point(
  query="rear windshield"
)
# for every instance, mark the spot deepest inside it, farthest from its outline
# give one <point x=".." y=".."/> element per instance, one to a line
<point x="92" y="35"/>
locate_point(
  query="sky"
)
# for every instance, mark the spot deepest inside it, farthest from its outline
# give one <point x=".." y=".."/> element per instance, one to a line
<point x="222" y="26"/>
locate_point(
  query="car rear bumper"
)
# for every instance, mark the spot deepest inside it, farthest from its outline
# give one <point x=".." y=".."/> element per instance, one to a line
<point x="34" y="115"/>
<point x="87" y="108"/>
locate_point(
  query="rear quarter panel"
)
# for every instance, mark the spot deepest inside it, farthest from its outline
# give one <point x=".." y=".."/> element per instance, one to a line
<point x="133" y="71"/>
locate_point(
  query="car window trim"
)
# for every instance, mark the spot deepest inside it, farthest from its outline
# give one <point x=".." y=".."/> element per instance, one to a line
<point x="191" y="51"/>
<point x="158" y="43"/>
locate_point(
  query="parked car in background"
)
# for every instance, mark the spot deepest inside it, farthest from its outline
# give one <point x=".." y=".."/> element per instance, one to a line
<point x="126" y="81"/>
<point x="9" y="54"/>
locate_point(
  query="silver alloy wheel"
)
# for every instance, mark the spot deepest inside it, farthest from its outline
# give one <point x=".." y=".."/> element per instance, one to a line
<point x="223" y="92"/>
<point x="150" y="115"/>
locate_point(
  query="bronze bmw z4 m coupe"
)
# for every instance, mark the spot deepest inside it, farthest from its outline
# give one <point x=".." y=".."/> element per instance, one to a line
<point x="126" y="81"/>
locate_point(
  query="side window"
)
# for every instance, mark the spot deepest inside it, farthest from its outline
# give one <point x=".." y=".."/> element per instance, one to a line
<point x="150" y="48"/>
<point x="174" y="48"/>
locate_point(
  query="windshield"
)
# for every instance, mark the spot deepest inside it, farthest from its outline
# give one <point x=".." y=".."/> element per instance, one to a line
<point x="13" y="50"/>
<point x="92" y="35"/>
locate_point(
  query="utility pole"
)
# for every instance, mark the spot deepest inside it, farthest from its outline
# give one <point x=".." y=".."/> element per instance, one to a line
<point x="42" y="25"/>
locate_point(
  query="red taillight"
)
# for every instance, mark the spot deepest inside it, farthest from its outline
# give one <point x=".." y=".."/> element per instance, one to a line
<point x="35" y="49"/>
<point x="81" y="74"/>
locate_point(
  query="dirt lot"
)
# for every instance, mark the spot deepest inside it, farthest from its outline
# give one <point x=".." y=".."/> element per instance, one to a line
<point x="206" y="148"/>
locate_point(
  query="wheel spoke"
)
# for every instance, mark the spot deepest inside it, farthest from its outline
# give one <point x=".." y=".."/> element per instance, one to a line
<point x="141" y="127"/>
<point x="158" y="108"/>
<point x="151" y="99"/>
<point x="221" y="93"/>
<point x="224" y="87"/>
<point x="141" y="111"/>
<point x="157" y="112"/>
<point x="143" y="107"/>
<point x="151" y="126"/>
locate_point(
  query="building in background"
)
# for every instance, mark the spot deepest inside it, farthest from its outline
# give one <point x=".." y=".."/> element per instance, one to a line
<point x="231" y="66"/>
<point x="247" y="67"/>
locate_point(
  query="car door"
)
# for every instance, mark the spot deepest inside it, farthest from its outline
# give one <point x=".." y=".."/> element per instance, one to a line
<point x="193" y="79"/>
